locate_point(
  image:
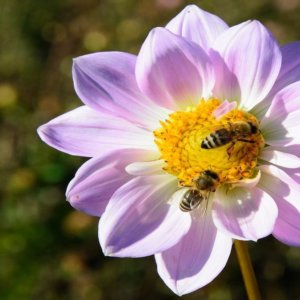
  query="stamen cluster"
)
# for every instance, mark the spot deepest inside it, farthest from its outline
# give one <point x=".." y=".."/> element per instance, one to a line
<point x="180" y="137"/>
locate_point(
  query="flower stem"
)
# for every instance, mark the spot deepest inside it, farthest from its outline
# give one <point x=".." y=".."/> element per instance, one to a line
<point x="247" y="270"/>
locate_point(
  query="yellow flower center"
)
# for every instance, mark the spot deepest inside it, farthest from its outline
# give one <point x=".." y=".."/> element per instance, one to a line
<point x="180" y="138"/>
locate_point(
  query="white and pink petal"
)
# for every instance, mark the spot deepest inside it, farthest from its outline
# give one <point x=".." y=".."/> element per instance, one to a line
<point x="247" y="62"/>
<point x="172" y="71"/>
<point x="198" y="26"/>
<point x="290" y="68"/>
<point x="247" y="183"/>
<point x="283" y="175"/>
<point x="86" y="132"/>
<point x="106" y="82"/>
<point x="197" y="258"/>
<point x="139" y="221"/>
<point x="280" y="157"/>
<point x="146" y="167"/>
<point x="285" y="191"/>
<point x="244" y="214"/>
<point x="224" y="108"/>
<point x="280" y="125"/>
<point x="97" y="179"/>
<point x="289" y="73"/>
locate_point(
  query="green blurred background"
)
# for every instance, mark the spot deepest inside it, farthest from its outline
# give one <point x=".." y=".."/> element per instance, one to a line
<point x="47" y="249"/>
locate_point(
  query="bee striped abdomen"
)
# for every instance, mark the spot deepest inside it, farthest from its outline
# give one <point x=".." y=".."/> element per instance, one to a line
<point x="190" y="200"/>
<point x="216" y="139"/>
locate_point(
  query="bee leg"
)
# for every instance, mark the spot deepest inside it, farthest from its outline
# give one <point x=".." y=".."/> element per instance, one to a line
<point x="246" y="141"/>
<point x="230" y="149"/>
<point x="206" y="200"/>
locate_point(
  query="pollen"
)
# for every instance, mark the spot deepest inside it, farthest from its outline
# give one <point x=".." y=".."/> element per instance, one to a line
<point x="180" y="137"/>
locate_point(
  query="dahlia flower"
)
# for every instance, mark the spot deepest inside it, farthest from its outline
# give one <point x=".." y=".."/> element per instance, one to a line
<point x="144" y="122"/>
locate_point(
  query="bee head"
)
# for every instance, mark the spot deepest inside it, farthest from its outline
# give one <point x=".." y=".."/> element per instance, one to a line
<point x="207" y="180"/>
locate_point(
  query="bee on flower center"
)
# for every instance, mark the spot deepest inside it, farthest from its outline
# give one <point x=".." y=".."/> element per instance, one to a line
<point x="237" y="131"/>
<point x="204" y="184"/>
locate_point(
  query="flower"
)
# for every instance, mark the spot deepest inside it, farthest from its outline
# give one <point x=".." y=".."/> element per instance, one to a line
<point x="161" y="124"/>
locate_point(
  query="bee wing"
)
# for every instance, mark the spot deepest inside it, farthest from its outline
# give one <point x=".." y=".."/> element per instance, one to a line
<point x="195" y="202"/>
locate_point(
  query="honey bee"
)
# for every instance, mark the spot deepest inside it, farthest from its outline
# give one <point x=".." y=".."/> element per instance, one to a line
<point x="238" y="131"/>
<point x="204" y="184"/>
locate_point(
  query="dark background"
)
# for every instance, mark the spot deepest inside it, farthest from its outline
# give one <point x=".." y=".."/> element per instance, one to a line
<point x="47" y="249"/>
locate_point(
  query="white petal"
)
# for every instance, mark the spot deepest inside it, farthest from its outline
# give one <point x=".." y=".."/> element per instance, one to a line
<point x="173" y="71"/>
<point x="197" y="259"/>
<point x="97" y="179"/>
<point x="247" y="183"/>
<point x="145" y="168"/>
<point x="280" y="125"/>
<point x="247" y="61"/>
<point x="284" y="176"/>
<point x="106" y="82"/>
<point x="86" y="132"/>
<point x="286" y="194"/>
<point x="245" y="214"/>
<point x="197" y="25"/>
<point x="280" y="158"/>
<point x="138" y="221"/>
<point x="224" y="108"/>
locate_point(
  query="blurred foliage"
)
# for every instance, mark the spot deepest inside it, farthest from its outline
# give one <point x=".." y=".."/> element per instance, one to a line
<point x="48" y="250"/>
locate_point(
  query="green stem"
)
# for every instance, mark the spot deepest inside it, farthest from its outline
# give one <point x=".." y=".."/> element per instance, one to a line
<point x="247" y="270"/>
